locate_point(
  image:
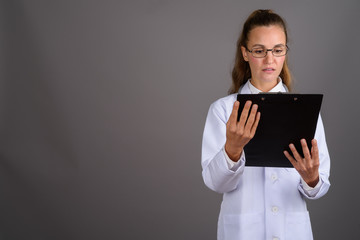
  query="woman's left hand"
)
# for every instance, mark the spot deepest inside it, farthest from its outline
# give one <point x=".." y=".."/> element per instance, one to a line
<point x="308" y="167"/>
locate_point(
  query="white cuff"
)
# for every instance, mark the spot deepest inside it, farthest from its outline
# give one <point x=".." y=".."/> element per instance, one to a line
<point x="311" y="191"/>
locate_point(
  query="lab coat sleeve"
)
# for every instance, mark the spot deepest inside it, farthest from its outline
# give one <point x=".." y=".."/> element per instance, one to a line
<point x="324" y="168"/>
<point x="216" y="173"/>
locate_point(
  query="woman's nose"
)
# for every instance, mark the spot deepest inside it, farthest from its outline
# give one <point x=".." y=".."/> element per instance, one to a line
<point x="269" y="58"/>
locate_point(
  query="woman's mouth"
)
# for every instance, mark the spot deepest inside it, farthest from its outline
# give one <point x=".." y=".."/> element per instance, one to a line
<point x="268" y="70"/>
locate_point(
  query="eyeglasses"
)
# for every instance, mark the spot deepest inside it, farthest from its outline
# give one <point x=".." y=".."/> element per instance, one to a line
<point x="261" y="52"/>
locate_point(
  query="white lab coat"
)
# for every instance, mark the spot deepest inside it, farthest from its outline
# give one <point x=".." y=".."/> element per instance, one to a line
<point x="258" y="202"/>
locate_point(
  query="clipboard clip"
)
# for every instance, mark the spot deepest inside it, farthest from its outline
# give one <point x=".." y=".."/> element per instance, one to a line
<point x="276" y="93"/>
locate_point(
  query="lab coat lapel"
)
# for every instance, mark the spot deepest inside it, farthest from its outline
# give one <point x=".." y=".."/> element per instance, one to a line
<point x="244" y="89"/>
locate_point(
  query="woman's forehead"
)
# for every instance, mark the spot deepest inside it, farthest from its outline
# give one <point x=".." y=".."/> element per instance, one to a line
<point x="268" y="36"/>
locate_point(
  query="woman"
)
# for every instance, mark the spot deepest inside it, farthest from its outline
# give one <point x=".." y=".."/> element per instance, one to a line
<point x="260" y="202"/>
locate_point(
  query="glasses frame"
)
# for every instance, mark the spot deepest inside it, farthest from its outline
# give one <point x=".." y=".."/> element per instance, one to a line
<point x="269" y="50"/>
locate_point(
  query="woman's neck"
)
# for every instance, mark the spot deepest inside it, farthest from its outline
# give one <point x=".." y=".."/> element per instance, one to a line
<point x="264" y="86"/>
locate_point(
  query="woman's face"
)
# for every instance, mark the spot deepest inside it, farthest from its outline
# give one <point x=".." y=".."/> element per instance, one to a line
<point x="265" y="71"/>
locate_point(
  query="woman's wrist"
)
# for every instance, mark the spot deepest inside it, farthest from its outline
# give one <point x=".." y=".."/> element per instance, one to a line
<point x="312" y="183"/>
<point x="233" y="153"/>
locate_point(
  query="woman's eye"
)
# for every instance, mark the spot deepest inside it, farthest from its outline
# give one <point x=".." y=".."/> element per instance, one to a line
<point x="258" y="51"/>
<point x="279" y="50"/>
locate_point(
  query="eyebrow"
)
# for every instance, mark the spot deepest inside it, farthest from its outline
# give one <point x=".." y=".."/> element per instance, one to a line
<point x="260" y="45"/>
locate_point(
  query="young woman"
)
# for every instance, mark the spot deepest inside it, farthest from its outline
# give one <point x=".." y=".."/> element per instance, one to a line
<point x="260" y="202"/>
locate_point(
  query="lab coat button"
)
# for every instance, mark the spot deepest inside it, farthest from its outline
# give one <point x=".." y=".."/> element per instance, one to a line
<point x="273" y="177"/>
<point x="274" y="209"/>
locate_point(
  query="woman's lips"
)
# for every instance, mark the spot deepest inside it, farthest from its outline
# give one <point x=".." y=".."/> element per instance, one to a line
<point x="269" y="70"/>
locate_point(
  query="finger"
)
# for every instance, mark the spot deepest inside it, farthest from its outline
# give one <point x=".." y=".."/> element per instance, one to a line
<point x="290" y="158"/>
<point x="295" y="153"/>
<point x="245" y="113"/>
<point x="314" y="150"/>
<point x="251" y="119"/>
<point x="305" y="149"/>
<point x="233" y="116"/>
<point x="255" y="125"/>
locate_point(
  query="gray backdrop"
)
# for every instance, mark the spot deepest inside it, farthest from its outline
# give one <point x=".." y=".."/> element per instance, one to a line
<point x="103" y="103"/>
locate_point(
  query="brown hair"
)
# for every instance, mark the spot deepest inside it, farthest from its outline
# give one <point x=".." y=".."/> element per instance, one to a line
<point x="241" y="71"/>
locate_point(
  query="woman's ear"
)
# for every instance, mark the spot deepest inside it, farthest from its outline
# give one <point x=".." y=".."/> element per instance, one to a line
<point x="244" y="53"/>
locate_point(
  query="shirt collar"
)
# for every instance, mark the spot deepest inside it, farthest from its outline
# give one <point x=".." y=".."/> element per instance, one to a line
<point x="277" y="88"/>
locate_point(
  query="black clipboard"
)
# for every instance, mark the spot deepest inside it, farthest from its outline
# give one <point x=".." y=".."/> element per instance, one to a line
<point x="285" y="118"/>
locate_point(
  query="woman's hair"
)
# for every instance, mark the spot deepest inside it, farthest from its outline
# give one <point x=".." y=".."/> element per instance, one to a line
<point x="241" y="71"/>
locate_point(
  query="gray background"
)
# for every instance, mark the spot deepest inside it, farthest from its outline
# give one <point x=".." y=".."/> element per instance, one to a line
<point x="103" y="103"/>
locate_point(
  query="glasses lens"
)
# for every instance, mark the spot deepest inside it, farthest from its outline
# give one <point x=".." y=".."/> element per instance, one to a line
<point x="258" y="52"/>
<point x="279" y="51"/>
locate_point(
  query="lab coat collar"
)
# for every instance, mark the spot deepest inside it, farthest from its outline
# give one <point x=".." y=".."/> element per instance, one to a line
<point x="248" y="88"/>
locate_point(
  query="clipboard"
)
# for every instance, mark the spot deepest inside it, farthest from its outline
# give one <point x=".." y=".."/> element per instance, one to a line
<point x="285" y="118"/>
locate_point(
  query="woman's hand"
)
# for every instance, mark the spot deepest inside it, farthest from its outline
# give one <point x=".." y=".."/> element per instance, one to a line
<point x="308" y="167"/>
<point x="239" y="133"/>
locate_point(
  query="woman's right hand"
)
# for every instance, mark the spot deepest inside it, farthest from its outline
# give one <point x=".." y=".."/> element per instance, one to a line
<point x="239" y="133"/>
